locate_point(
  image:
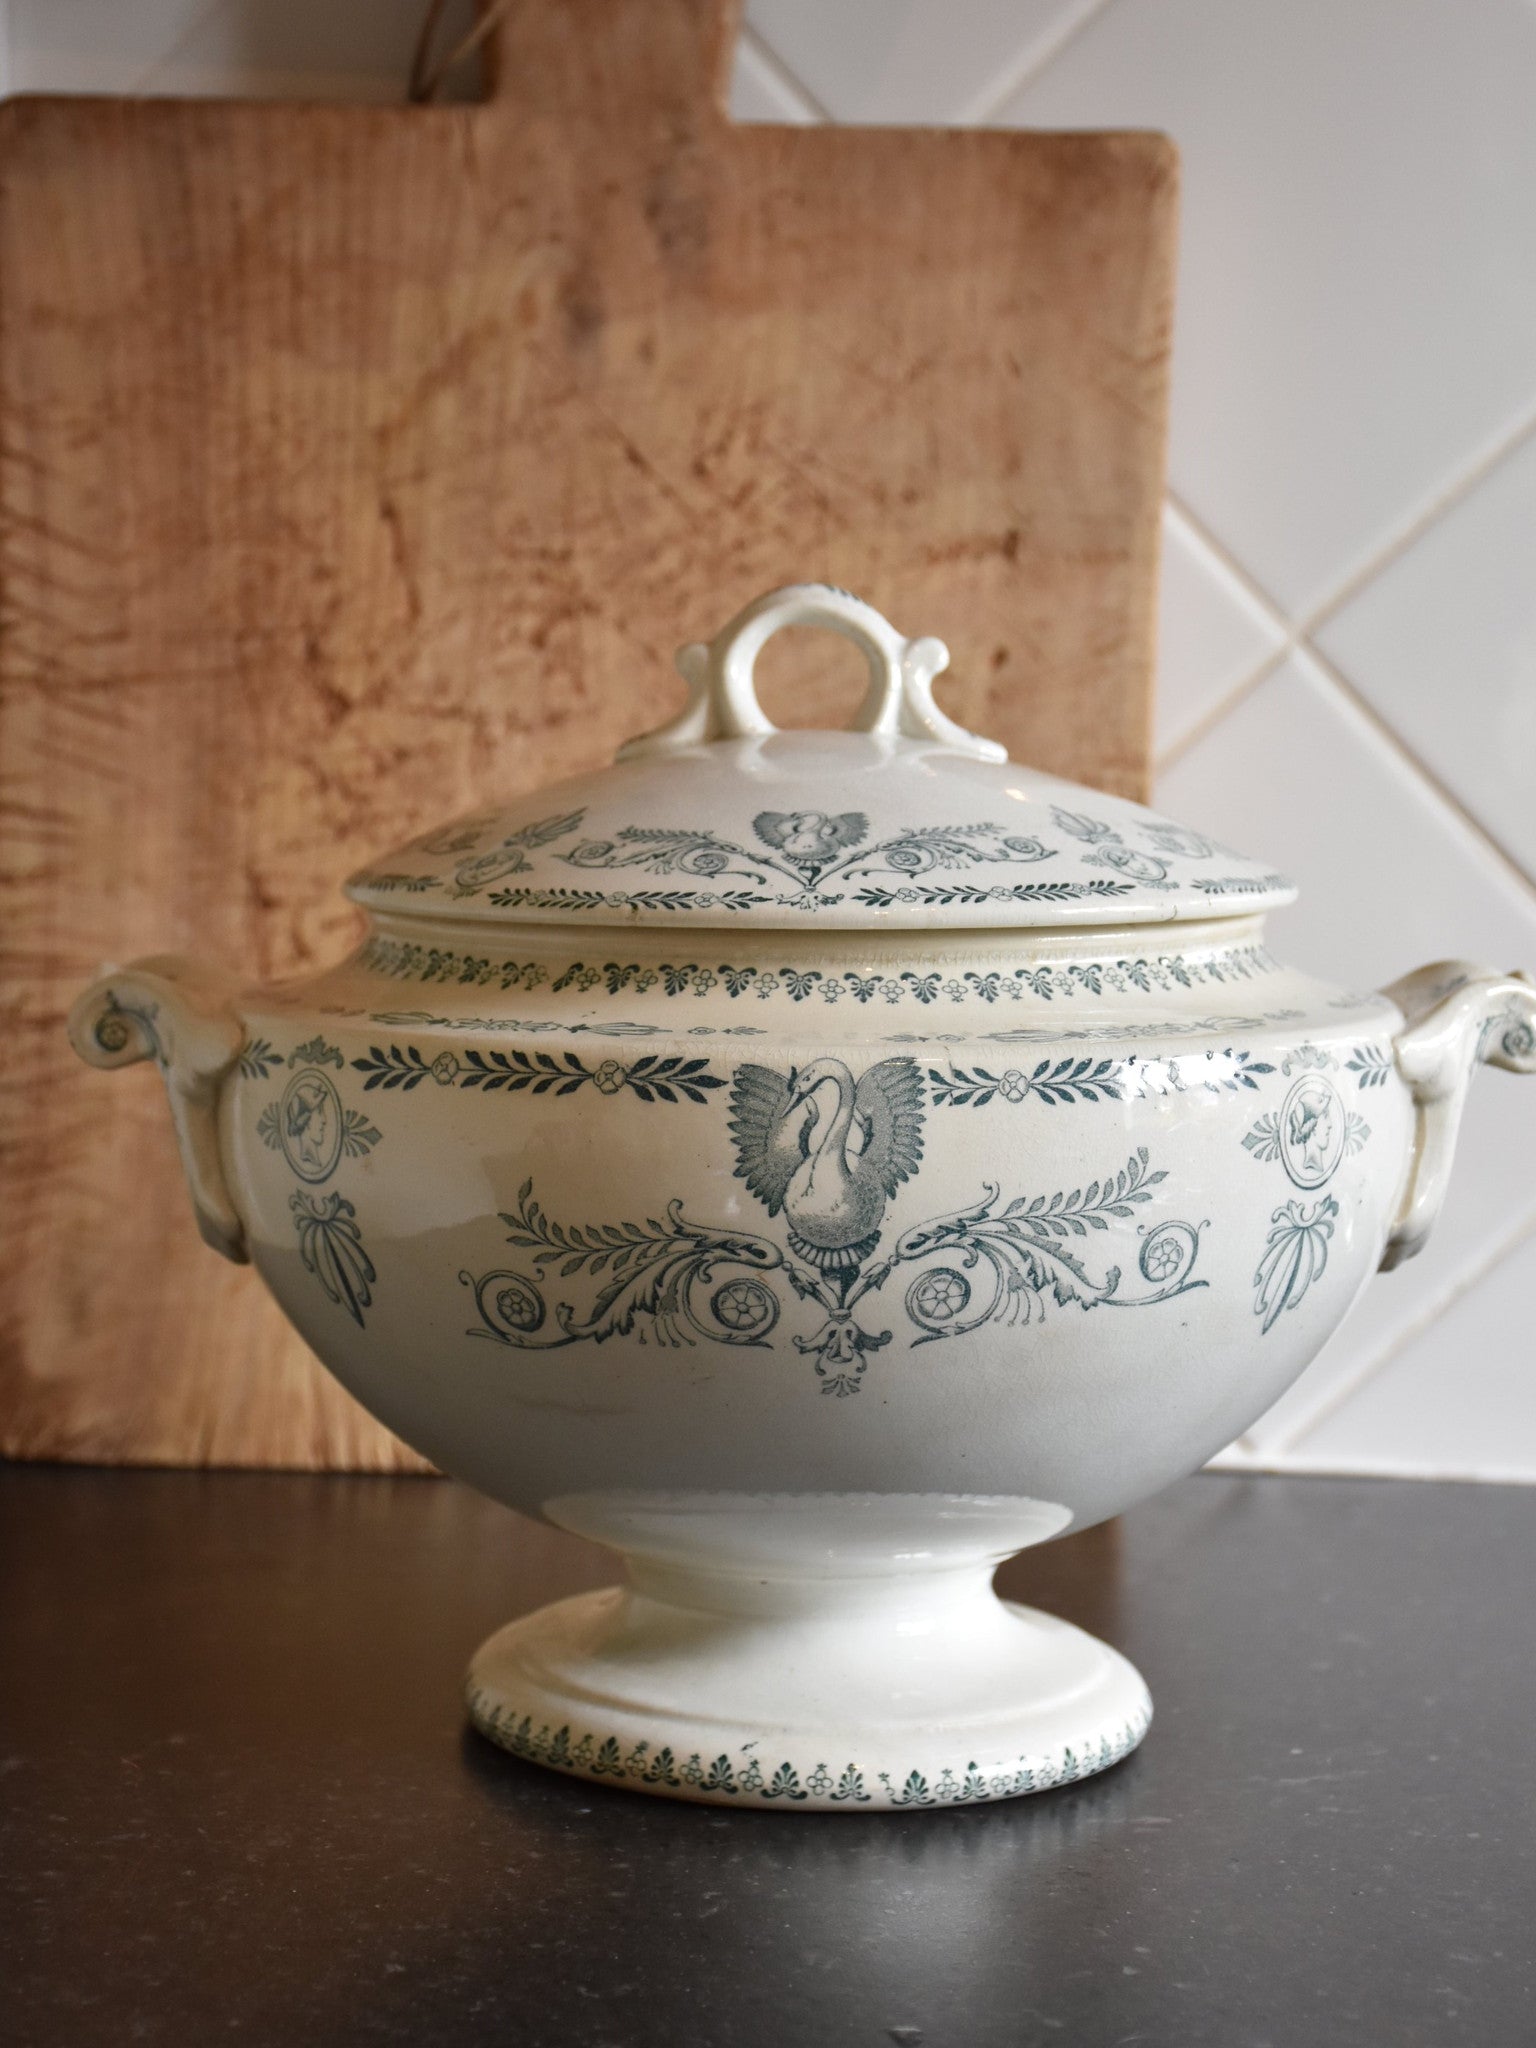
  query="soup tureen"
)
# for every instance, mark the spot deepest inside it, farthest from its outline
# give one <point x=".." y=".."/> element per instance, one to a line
<point x="817" y="1165"/>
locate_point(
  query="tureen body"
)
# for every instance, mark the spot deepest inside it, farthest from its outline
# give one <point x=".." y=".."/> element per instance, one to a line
<point x="1065" y="1199"/>
<point x="819" y="1260"/>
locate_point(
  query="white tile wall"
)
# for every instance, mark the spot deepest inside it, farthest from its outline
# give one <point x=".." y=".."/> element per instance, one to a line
<point x="1215" y="632"/>
<point x="1442" y="642"/>
<point x="1426" y="1409"/>
<point x="946" y="61"/>
<point x="1358" y="308"/>
<point x="1348" y="646"/>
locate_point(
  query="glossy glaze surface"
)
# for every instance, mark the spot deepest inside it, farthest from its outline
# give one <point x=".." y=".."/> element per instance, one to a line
<point x="619" y="1184"/>
<point x="819" y="1255"/>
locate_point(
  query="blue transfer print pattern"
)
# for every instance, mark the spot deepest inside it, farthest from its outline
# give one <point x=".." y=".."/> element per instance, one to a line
<point x="671" y="1280"/>
<point x="739" y="1777"/>
<point x="331" y="1247"/>
<point x="650" y="1078"/>
<point x="808" y="861"/>
<point x="1295" y="1255"/>
<point x="404" y="960"/>
<point x="315" y="1131"/>
<point x="1309" y="1135"/>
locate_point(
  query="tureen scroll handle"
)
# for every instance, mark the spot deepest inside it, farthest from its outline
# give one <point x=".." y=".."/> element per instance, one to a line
<point x="722" y="698"/>
<point x="179" y="1015"/>
<point x="1456" y="1015"/>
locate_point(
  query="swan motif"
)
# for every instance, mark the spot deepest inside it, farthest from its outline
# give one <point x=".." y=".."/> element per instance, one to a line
<point x="828" y="1150"/>
<point x="810" y="838"/>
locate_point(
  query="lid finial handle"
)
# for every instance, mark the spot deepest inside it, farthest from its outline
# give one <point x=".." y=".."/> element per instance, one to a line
<point x="722" y="696"/>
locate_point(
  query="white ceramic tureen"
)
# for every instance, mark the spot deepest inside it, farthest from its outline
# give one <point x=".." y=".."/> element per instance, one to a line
<point x="817" y="1165"/>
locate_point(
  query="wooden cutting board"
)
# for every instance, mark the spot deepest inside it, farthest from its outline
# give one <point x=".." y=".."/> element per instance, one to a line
<point x="359" y="464"/>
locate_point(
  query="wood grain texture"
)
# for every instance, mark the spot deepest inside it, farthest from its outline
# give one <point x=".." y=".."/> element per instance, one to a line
<point x="359" y="464"/>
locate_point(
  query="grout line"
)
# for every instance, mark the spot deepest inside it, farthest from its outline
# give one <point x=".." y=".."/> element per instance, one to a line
<point x="987" y="105"/>
<point x="1298" y="637"/>
<point x="1297" y="640"/>
<point x="1455" y="1290"/>
<point x="793" y="87"/>
<point x="1234" y="568"/>
<point x="1414" y="528"/>
<point x="1407" y="758"/>
<point x="1208" y="720"/>
<point x="1279" y="1454"/>
<point x="1262" y="669"/>
<point x="1417" y="768"/>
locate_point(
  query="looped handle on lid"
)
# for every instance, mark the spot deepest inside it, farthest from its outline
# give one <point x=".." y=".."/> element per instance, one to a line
<point x="722" y="695"/>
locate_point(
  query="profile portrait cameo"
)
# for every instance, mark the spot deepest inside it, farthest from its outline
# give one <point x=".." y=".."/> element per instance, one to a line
<point x="1313" y="1130"/>
<point x="310" y="1125"/>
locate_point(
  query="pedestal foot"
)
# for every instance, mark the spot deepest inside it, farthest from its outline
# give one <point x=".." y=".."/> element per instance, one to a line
<point x="838" y="1696"/>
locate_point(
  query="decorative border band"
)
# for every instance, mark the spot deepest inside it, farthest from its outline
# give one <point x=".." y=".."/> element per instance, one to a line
<point x="405" y="961"/>
<point x="743" y="1779"/>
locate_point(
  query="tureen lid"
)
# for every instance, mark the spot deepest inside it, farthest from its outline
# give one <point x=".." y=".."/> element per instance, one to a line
<point x="904" y="822"/>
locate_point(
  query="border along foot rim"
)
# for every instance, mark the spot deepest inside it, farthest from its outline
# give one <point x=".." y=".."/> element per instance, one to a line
<point x="693" y="1734"/>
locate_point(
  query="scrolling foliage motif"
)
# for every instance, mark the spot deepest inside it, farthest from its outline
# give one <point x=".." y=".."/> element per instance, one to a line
<point x="827" y="1152"/>
<point x="809" y="850"/>
<point x="798" y="858"/>
<point x="650" y="1276"/>
<point x="809" y="860"/>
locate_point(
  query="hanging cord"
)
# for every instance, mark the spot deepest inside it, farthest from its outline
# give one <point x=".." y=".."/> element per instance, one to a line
<point x="428" y="74"/>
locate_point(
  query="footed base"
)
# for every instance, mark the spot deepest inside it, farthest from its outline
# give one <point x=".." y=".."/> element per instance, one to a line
<point x="838" y="1696"/>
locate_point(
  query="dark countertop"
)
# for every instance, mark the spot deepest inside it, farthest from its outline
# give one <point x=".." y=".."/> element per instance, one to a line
<point x="238" y="1801"/>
